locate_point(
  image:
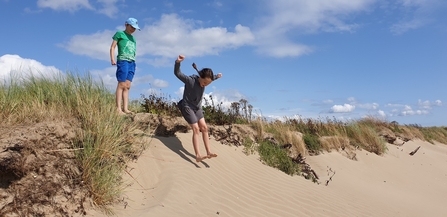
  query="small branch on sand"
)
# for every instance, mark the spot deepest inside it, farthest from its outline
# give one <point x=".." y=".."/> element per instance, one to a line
<point x="415" y="150"/>
<point x="330" y="178"/>
<point x="68" y="149"/>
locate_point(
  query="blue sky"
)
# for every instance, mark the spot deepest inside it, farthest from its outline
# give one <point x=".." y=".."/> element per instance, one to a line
<point x="343" y="59"/>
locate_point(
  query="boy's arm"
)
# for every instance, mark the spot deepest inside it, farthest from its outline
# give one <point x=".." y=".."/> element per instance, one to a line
<point x="112" y="52"/>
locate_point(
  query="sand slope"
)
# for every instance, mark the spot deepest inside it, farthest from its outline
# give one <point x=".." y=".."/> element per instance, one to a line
<point x="166" y="182"/>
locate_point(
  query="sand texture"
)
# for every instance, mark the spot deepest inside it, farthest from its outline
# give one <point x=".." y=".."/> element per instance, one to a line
<point x="166" y="181"/>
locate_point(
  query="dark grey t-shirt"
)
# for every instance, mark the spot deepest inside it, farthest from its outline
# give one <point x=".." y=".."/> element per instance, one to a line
<point x="193" y="93"/>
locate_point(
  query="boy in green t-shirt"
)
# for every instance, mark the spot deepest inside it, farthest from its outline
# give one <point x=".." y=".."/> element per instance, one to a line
<point x="125" y="63"/>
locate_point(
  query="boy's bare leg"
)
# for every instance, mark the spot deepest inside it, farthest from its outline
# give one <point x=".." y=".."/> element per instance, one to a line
<point x="119" y="97"/>
<point x="206" y="141"/>
<point x="195" y="142"/>
<point x="126" y="97"/>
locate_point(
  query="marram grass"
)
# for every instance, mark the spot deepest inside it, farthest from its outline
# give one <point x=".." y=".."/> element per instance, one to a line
<point x="103" y="139"/>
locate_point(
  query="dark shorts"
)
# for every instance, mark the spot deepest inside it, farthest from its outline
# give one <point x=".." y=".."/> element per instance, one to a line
<point x="125" y="70"/>
<point x="190" y="115"/>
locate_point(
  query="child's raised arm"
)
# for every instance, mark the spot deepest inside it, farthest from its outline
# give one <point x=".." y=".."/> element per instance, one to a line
<point x="180" y="58"/>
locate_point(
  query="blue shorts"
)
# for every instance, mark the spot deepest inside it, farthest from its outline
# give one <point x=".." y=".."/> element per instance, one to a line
<point x="125" y="70"/>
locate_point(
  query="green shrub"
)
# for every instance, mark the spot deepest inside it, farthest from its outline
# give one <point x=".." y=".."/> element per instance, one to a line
<point x="312" y="143"/>
<point x="276" y="157"/>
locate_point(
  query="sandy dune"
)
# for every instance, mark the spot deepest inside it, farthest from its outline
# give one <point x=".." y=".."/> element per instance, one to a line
<point x="167" y="182"/>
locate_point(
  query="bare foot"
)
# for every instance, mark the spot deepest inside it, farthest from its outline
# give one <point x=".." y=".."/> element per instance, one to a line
<point x="211" y="155"/>
<point x="200" y="158"/>
<point x="129" y="112"/>
<point x="120" y="112"/>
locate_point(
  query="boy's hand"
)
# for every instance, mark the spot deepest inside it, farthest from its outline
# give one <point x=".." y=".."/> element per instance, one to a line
<point x="180" y="58"/>
<point x="219" y="75"/>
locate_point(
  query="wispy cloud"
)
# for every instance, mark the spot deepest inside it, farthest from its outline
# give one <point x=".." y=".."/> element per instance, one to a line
<point x="287" y="19"/>
<point x="429" y="105"/>
<point x="417" y="13"/>
<point x="369" y="106"/>
<point x="106" y="7"/>
<point x="65" y="5"/>
<point x="109" y="7"/>
<point x="423" y="108"/>
<point x="408" y="111"/>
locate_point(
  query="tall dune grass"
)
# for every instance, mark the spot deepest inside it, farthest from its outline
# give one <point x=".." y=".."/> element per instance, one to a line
<point x="103" y="142"/>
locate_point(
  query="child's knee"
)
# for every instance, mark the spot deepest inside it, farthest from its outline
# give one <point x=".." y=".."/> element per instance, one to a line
<point x="203" y="129"/>
<point x="195" y="129"/>
<point x="128" y="84"/>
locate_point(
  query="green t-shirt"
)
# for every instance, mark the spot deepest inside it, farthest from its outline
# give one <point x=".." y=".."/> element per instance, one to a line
<point x="127" y="46"/>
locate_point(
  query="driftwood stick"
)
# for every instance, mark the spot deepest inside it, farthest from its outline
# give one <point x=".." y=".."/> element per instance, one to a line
<point x="68" y="149"/>
<point x="330" y="178"/>
<point x="415" y="150"/>
<point x="315" y="174"/>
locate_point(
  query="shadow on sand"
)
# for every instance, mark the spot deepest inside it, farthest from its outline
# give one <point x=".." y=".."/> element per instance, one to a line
<point x="176" y="146"/>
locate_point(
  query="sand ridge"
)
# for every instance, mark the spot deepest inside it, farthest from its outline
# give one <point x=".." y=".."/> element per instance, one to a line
<point x="166" y="181"/>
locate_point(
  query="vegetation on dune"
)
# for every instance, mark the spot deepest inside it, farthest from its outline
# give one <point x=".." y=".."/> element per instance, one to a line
<point x="294" y="138"/>
<point x="105" y="141"/>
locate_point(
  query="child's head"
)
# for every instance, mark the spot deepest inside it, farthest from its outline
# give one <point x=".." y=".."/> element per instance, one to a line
<point x="206" y="76"/>
<point x="131" y="25"/>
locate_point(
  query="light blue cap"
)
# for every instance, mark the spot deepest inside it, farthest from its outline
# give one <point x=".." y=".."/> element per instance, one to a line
<point x="133" y="22"/>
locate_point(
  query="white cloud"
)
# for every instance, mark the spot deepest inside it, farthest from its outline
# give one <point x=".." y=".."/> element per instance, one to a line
<point x="223" y="99"/>
<point x="370" y="106"/>
<point x="172" y="35"/>
<point x="424" y="107"/>
<point x="160" y="83"/>
<point x="179" y="92"/>
<point x="108" y="77"/>
<point x="381" y="113"/>
<point x="408" y="111"/>
<point x="286" y="19"/>
<point x="65" y="5"/>
<point x="158" y="93"/>
<point x="429" y="105"/>
<point x="413" y="112"/>
<point x="424" y="104"/>
<point x="96" y="46"/>
<point x="342" y="108"/>
<point x="165" y="39"/>
<point x="18" y="67"/>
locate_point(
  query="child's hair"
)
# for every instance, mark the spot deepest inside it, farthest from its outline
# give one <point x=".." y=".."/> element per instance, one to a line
<point x="205" y="72"/>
